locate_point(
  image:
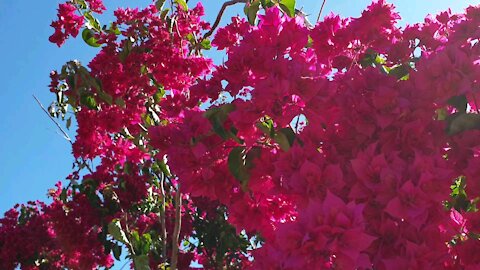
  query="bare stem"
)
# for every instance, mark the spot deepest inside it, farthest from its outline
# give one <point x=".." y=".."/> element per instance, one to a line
<point x="162" y="221"/>
<point x="220" y="14"/>
<point x="125" y="264"/>
<point x="65" y="134"/>
<point x="176" y="230"/>
<point x="321" y="9"/>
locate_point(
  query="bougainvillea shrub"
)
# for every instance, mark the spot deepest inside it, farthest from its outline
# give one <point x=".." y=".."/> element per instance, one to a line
<point x="348" y="144"/>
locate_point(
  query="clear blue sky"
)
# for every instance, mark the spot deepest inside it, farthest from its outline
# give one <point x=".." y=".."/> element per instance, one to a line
<point x="32" y="155"/>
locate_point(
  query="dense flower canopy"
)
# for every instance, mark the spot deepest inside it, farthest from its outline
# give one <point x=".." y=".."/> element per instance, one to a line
<point x="351" y="144"/>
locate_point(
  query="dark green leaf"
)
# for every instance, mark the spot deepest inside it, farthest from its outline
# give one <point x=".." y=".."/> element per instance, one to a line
<point x="400" y="72"/>
<point x="368" y="58"/>
<point x="164" y="13"/>
<point x="251" y="11"/>
<point x="285" y="138"/>
<point x="63" y="195"/>
<point x="459" y="122"/>
<point x="267" y="3"/>
<point x="217" y="117"/>
<point x="141" y="262"/>
<point x="69" y="122"/>
<point x="237" y="164"/>
<point x="120" y="102"/>
<point x="459" y="102"/>
<point x="117" y="251"/>
<point x="288" y="6"/>
<point x="89" y="38"/>
<point x="105" y="97"/>
<point x="159" y="4"/>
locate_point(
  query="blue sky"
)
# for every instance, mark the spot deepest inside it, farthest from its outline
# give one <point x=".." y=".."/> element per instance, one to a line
<point x="32" y="155"/>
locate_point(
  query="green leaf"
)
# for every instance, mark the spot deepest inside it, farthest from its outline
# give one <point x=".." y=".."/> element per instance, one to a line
<point x="114" y="29"/>
<point x="141" y="262"/>
<point x="182" y="3"/>
<point x="191" y="38"/>
<point x="89" y="101"/>
<point x="82" y="4"/>
<point x="288" y="6"/>
<point x="266" y="125"/>
<point x="379" y="60"/>
<point x="148" y="120"/>
<point x="237" y="165"/>
<point x="206" y="44"/>
<point x="120" y="102"/>
<point x="116" y="231"/>
<point x="146" y="242"/>
<point x="105" y="97"/>
<point x="164" y="13"/>
<point x="285" y="138"/>
<point x="92" y="21"/>
<point x="164" y="168"/>
<point x="251" y="11"/>
<point x="441" y="114"/>
<point x="160" y="94"/>
<point x="217" y="117"/>
<point x="117" y="251"/>
<point x="89" y="38"/>
<point x="309" y="42"/>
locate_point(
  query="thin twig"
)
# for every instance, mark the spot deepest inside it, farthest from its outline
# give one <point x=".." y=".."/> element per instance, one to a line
<point x="167" y="179"/>
<point x="321" y="9"/>
<point x="296" y="124"/>
<point x="125" y="264"/>
<point x="220" y="14"/>
<point x="65" y="134"/>
<point x="176" y="230"/>
<point x="162" y="221"/>
<point x="142" y="127"/>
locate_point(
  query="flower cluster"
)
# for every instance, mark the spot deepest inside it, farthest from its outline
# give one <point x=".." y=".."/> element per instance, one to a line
<point x="67" y="24"/>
